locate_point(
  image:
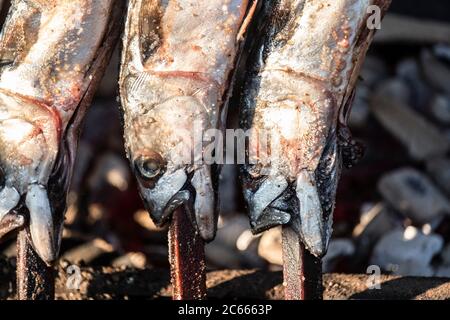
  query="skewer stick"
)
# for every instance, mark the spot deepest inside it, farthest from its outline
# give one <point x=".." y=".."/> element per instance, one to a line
<point x="35" y="280"/>
<point x="187" y="259"/>
<point x="302" y="272"/>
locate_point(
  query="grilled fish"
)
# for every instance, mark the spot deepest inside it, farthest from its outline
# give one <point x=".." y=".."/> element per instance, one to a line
<point x="177" y="64"/>
<point x="52" y="55"/>
<point x="297" y="92"/>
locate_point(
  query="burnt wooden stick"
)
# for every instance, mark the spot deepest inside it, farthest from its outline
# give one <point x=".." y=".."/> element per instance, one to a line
<point x="35" y="280"/>
<point x="187" y="259"/>
<point x="302" y="272"/>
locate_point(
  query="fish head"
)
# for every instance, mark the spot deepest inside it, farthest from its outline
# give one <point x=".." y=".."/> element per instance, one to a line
<point x="294" y="162"/>
<point x="165" y="148"/>
<point x="29" y="152"/>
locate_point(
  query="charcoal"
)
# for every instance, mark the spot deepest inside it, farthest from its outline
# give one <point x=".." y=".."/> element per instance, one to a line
<point x="407" y="252"/>
<point x="413" y="194"/>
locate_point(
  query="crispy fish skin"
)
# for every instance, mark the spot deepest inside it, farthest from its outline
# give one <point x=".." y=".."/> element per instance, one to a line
<point x="177" y="62"/>
<point x="299" y="89"/>
<point x="53" y="54"/>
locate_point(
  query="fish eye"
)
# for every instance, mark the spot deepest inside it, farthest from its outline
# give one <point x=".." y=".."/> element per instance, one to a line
<point x="149" y="167"/>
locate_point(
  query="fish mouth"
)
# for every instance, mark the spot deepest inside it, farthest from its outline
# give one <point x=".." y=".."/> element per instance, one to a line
<point x="35" y="208"/>
<point x="162" y="215"/>
<point x="266" y="207"/>
<point x="194" y="193"/>
<point x="277" y="202"/>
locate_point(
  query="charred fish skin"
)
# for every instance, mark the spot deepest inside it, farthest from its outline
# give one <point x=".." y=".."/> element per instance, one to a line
<point x="53" y="54"/>
<point x="177" y="61"/>
<point x="298" y="91"/>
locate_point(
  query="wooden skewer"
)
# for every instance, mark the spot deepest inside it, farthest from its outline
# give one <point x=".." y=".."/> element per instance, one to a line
<point x="302" y="272"/>
<point x="187" y="259"/>
<point x="35" y="280"/>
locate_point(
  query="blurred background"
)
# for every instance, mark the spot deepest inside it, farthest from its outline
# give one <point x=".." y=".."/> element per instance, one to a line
<point x="392" y="209"/>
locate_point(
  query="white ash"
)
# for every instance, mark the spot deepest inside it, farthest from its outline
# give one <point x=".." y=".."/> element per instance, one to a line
<point x="375" y="221"/>
<point x="407" y="252"/>
<point x="234" y="244"/>
<point x="88" y="252"/>
<point x="270" y="248"/>
<point x="406" y="29"/>
<point x="409" y="71"/>
<point x="135" y="260"/>
<point x="440" y="108"/>
<point x="422" y="138"/>
<point x="113" y="170"/>
<point x="414" y="195"/>
<point x="395" y="88"/>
